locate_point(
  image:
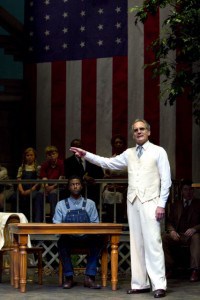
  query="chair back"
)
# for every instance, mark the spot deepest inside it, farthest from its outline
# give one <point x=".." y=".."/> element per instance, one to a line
<point x="7" y="239"/>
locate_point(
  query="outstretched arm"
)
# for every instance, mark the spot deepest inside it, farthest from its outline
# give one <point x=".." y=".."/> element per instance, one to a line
<point x="78" y="151"/>
<point x="118" y="162"/>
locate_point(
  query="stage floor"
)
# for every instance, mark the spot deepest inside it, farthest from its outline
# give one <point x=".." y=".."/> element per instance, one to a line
<point x="178" y="289"/>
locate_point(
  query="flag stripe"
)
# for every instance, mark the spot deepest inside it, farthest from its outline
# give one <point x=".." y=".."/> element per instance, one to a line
<point x="43" y="104"/>
<point x="88" y="110"/>
<point x="58" y="107"/>
<point x="168" y="114"/>
<point x="151" y="91"/>
<point x="73" y="102"/>
<point x="120" y="96"/>
<point x="104" y="105"/>
<point x="30" y="75"/>
<point x="135" y="70"/>
<point x="183" y="138"/>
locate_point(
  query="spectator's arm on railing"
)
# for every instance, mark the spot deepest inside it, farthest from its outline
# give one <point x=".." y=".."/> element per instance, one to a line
<point x="49" y="187"/>
<point x="21" y="190"/>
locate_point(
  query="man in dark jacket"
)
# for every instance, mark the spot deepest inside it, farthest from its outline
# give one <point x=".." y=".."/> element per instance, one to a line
<point x="87" y="171"/>
<point x="183" y="228"/>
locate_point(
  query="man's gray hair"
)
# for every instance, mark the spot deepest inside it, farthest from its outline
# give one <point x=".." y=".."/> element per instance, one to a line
<point x="147" y="125"/>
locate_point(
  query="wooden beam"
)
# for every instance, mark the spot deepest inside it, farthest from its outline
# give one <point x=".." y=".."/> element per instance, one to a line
<point x="10" y="98"/>
<point x="11" y="24"/>
<point x="11" y="47"/>
<point x="12" y="90"/>
<point x="12" y="84"/>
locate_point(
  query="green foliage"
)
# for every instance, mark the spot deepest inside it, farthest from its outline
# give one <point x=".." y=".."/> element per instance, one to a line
<point x="177" y="50"/>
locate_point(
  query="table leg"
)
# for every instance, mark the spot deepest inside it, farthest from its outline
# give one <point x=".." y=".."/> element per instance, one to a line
<point x="23" y="263"/>
<point x="15" y="263"/>
<point x="104" y="266"/>
<point x="114" y="261"/>
<point x="11" y="268"/>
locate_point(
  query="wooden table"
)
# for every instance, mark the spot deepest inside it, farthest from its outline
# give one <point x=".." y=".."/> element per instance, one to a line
<point x="21" y="231"/>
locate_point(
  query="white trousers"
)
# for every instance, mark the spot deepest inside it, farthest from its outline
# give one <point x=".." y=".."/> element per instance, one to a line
<point x="147" y="256"/>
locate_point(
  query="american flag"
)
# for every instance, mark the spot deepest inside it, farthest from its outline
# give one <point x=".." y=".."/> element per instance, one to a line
<point x="74" y="30"/>
<point x="86" y="77"/>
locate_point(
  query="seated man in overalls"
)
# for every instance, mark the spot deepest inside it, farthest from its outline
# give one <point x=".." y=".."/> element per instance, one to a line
<point x="76" y="209"/>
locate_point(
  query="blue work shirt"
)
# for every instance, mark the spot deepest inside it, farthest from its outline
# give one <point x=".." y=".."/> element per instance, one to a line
<point x="61" y="209"/>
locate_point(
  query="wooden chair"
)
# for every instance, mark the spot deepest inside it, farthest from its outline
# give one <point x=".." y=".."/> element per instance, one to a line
<point x="104" y="263"/>
<point x="8" y="247"/>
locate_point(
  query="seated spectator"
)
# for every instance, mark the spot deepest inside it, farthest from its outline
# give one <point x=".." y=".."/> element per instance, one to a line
<point x="52" y="168"/>
<point x="6" y="191"/>
<point x="84" y="169"/>
<point x="76" y="209"/>
<point x="116" y="193"/>
<point x="183" y="228"/>
<point x="28" y="170"/>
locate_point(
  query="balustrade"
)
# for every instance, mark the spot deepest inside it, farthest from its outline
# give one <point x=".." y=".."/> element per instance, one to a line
<point x="61" y="185"/>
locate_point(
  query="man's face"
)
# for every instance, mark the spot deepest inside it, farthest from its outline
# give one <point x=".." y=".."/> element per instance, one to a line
<point x="77" y="144"/>
<point x="140" y="133"/>
<point x="118" y="144"/>
<point x="52" y="156"/>
<point x="75" y="187"/>
<point x="187" y="192"/>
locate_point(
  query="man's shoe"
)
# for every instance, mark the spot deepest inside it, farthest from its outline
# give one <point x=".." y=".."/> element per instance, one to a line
<point x="159" y="293"/>
<point x="195" y="276"/>
<point x="138" y="291"/>
<point x="89" y="282"/>
<point x="69" y="283"/>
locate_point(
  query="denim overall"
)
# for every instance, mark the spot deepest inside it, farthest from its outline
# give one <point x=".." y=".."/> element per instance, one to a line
<point x="28" y="175"/>
<point x="68" y="242"/>
<point x="76" y="215"/>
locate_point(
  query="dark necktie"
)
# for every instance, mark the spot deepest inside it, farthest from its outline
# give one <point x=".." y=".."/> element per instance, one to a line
<point x="183" y="222"/>
<point x="81" y="163"/>
<point x="186" y="203"/>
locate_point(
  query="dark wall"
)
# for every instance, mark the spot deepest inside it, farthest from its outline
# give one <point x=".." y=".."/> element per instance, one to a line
<point x="10" y="136"/>
<point x="12" y="129"/>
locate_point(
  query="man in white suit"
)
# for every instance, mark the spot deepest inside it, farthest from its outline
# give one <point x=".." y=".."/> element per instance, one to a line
<point x="149" y="181"/>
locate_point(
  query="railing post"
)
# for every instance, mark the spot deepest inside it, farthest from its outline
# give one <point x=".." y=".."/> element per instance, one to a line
<point x="4" y="200"/>
<point x="115" y="207"/>
<point x="31" y="206"/>
<point x="44" y="204"/>
<point x="17" y="200"/>
<point x="100" y="202"/>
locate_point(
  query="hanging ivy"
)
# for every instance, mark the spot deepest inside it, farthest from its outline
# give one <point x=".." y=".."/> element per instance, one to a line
<point x="177" y="50"/>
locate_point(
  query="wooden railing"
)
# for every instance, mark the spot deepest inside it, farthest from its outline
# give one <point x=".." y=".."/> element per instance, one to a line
<point x="174" y="193"/>
<point x="60" y="183"/>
